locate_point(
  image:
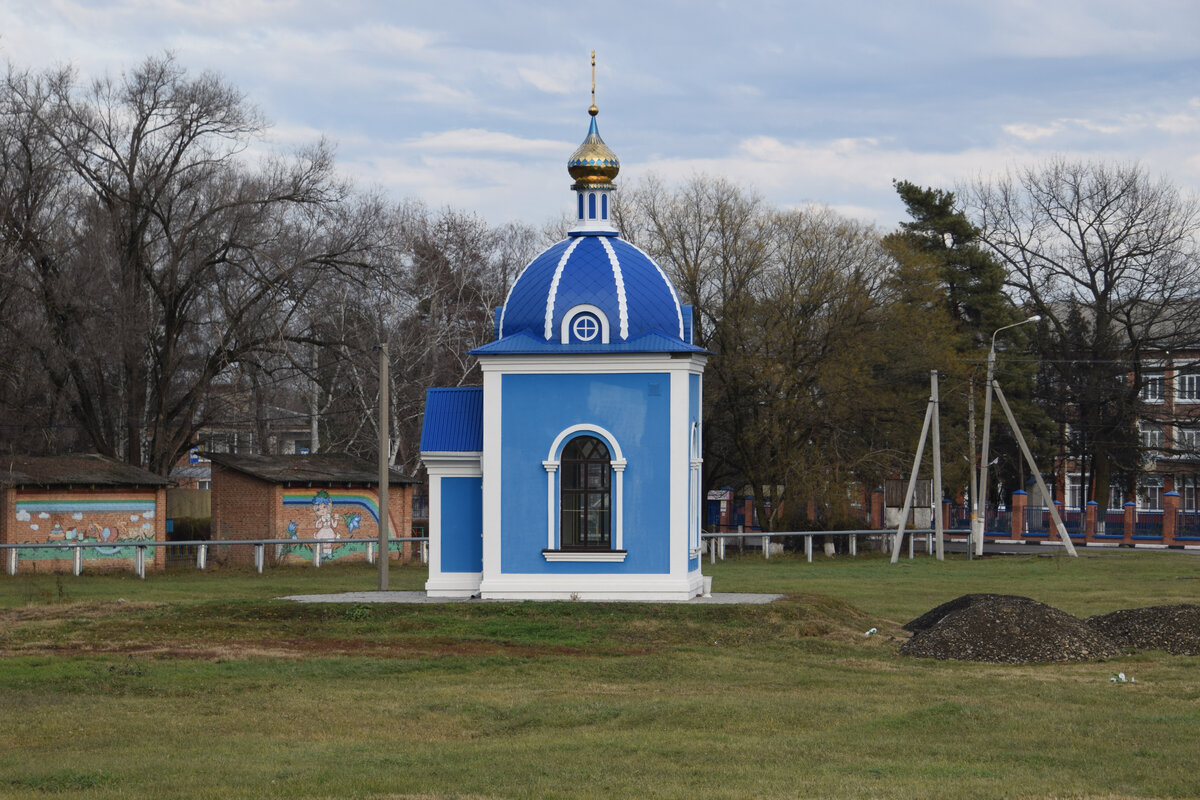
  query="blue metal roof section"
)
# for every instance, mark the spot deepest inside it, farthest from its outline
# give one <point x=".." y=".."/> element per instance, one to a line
<point x="607" y="272"/>
<point x="453" y="420"/>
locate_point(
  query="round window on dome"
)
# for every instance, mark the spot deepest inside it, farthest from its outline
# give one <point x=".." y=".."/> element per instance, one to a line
<point x="585" y="327"/>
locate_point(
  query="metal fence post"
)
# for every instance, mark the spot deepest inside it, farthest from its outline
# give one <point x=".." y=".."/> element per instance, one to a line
<point x="201" y="556"/>
<point x="260" y="555"/>
<point x="317" y="555"/>
<point x="808" y="547"/>
<point x="370" y="552"/>
<point x="140" y="561"/>
<point x="766" y="546"/>
<point x="12" y="561"/>
<point x="424" y="552"/>
<point x="77" y="561"/>
<point x="854" y="544"/>
<point x="722" y="546"/>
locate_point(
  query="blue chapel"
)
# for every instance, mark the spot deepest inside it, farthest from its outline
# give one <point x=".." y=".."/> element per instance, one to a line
<point x="574" y="471"/>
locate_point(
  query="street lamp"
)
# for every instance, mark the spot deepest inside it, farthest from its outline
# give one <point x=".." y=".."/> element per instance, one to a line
<point x="981" y="497"/>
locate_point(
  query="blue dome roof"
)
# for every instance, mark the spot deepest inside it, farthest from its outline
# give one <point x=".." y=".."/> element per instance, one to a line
<point x="616" y="286"/>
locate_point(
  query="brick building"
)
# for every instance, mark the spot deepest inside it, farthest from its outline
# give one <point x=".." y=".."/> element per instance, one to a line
<point x="85" y="499"/>
<point x="322" y="496"/>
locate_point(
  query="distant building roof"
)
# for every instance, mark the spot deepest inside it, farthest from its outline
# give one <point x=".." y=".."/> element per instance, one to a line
<point x="321" y="468"/>
<point x="191" y="472"/>
<point x="73" y="470"/>
<point x="453" y="420"/>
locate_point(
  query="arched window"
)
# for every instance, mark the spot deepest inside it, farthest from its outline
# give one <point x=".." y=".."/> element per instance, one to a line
<point x="586" y="495"/>
<point x="603" y="206"/>
<point x="591" y="206"/>
<point x="581" y="205"/>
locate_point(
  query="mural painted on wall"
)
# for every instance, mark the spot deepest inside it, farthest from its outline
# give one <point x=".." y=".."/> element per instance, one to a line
<point x="325" y="515"/>
<point x="116" y="525"/>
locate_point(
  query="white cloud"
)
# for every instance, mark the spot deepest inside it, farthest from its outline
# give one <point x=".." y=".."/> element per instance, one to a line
<point x="1030" y="132"/>
<point x="23" y="516"/>
<point x="545" y="81"/>
<point x="478" y="140"/>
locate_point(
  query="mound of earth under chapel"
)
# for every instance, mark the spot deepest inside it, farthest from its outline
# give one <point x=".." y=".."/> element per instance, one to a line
<point x="1005" y="629"/>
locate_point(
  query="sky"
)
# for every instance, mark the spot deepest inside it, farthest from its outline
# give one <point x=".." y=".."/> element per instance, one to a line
<point x="478" y="105"/>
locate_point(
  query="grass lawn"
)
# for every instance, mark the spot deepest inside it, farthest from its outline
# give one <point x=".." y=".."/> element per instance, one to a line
<point x="203" y="685"/>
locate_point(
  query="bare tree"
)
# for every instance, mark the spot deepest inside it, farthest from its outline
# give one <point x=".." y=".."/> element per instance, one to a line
<point x="433" y="305"/>
<point x="155" y="255"/>
<point x="1108" y="256"/>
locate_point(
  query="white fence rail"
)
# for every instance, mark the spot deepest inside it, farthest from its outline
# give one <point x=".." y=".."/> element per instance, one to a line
<point x="12" y="551"/>
<point x="717" y="540"/>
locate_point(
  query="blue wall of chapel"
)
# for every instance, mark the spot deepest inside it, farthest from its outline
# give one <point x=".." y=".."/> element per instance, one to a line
<point x="634" y="408"/>
<point x="462" y="525"/>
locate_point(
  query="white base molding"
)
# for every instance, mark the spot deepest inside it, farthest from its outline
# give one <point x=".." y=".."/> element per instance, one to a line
<point x="633" y="588"/>
<point x="454" y="584"/>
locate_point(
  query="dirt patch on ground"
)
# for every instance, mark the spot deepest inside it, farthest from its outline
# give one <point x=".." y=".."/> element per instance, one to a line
<point x="300" y="648"/>
<point x="70" y="611"/>
<point x="1175" y="629"/>
<point x="1005" y="629"/>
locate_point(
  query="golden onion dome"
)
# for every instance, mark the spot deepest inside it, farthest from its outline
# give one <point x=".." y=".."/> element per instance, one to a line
<point x="592" y="163"/>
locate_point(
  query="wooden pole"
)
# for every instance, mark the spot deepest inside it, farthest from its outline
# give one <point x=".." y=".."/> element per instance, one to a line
<point x="939" y="528"/>
<point x="912" y="484"/>
<point x="1037" y="474"/>
<point x="384" y="453"/>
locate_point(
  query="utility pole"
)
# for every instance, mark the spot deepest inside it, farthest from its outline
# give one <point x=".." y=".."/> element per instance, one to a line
<point x="314" y="406"/>
<point x="384" y="453"/>
<point x="972" y="486"/>
<point x="936" y="498"/>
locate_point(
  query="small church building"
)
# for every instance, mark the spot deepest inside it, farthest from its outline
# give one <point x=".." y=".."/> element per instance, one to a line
<point x="574" y="471"/>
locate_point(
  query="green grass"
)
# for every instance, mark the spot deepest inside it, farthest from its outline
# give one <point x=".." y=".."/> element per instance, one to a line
<point x="204" y="685"/>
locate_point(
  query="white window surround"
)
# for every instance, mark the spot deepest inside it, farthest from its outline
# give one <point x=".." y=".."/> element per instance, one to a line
<point x="551" y="464"/>
<point x="1153" y="387"/>
<point x="1187" y="387"/>
<point x="584" y="308"/>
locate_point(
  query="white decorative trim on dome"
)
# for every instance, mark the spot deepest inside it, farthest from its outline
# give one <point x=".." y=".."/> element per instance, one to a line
<point x="667" y="281"/>
<point x="558" y="271"/>
<point x="513" y="288"/>
<point x="620" y="281"/>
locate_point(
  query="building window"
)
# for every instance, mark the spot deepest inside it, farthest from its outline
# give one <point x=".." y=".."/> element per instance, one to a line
<point x="1074" y="491"/>
<point x="603" y="206"/>
<point x="585" y="327"/>
<point x="1153" y="384"/>
<point x="591" y="206"/>
<point x="1187" y="387"/>
<point x="1186" y="441"/>
<point x="586" y="515"/>
<point x="1150" y="493"/>
<point x="1151" y="435"/>
<point x="1186" y="486"/>
<point x="581" y="205"/>
<point x="584" y="474"/>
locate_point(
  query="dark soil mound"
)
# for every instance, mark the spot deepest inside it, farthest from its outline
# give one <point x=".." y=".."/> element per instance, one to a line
<point x="1175" y="629"/>
<point x="931" y="618"/>
<point x="1005" y="629"/>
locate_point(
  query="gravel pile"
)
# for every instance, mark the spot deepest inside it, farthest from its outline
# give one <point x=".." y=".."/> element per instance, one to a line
<point x="1005" y="629"/>
<point x="1175" y="629"/>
